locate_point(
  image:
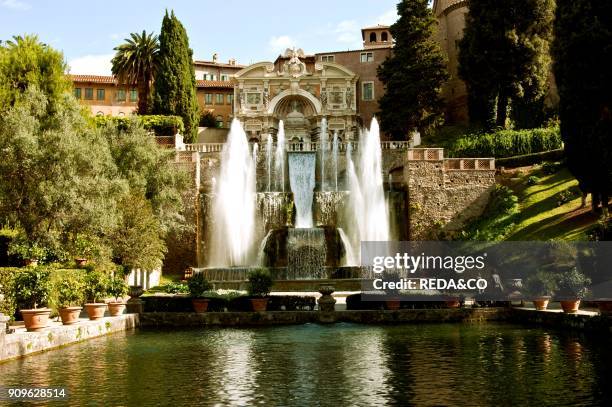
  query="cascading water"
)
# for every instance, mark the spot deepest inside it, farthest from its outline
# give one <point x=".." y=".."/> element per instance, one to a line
<point x="279" y="158"/>
<point x="269" y="161"/>
<point x="306" y="253"/>
<point x="302" y="182"/>
<point x="349" y="254"/>
<point x="367" y="197"/>
<point x="323" y="147"/>
<point x="335" y="159"/>
<point x="234" y="208"/>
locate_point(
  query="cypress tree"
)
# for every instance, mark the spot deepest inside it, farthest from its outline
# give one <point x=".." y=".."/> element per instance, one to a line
<point x="583" y="69"/>
<point x="413" y="75"/>
<point x="175" y="84"/>
<point x="504" y="59"/>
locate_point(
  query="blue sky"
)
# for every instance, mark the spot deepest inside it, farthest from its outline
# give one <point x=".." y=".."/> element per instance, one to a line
<point x="250" y="31"/>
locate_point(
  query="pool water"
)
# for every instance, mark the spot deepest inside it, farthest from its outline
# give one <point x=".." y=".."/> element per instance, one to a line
<point x="342" y="364"/>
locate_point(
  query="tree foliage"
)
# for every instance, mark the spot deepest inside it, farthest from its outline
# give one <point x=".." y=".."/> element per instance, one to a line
<point x="413" y="75"/>
<point x="583" y="67"/>
<point x="504" y="59"/>
<point x="175" y="84"/>
<point x="135" y="63"/>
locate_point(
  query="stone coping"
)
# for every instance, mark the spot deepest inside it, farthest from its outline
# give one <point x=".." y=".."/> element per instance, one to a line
<point x="22" y="343"/>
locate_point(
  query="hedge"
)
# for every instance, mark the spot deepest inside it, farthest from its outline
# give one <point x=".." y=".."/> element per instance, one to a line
<point x="506" y="143"/>
<point x="160" y="125"/>
<point x="530" y="159"/>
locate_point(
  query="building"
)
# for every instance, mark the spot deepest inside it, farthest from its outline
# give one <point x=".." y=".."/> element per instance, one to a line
<point x="104" y="95"/>
<point x="451" y="16"/>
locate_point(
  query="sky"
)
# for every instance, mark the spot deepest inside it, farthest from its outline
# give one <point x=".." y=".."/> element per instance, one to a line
<point x="249" y="31"/>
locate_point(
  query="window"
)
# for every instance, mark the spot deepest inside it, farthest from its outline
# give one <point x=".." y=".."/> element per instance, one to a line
<point x="328" y="58"/>
<point x="133" y="95"/>
<point x="208" y="98"/>
<point x="219" y="99"/>
<point x="100" y="94"/>
<point x="230" y="99"/>
<point x="205" y="76"/>
<point x="384" y="37"/>
<point x="372" y="37"/>
<point x="77" y="93"/>
<point x="213" y="77"/>
<point x="121" y="95"/>
<point x="100" y="114"/>
<point x="367" y="57"/>
<point x="88" y="93"/>
<point x="224" y="77"/>
<point x="219" y="121"/>
<point x="368" y="91"/>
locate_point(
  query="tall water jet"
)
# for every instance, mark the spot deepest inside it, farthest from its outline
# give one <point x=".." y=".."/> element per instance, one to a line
<point x="335" y="160"/>
<point x="269" y="161"/>
<point x="279" y="158"/>
<point x="302" y="182"/>
<point x="234" y="208"/>
<point x="323" y="143"/>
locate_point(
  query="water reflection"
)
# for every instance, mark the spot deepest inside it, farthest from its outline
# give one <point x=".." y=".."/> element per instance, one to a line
<point x="341" y="364"/>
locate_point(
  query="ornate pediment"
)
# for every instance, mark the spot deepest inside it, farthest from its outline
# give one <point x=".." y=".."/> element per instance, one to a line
<point x="294" y="67"/>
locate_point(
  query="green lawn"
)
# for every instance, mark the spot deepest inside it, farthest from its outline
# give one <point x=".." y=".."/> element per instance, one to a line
<point x="541" y="216"/>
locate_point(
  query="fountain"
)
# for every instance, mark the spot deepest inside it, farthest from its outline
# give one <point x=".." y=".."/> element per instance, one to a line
<point x="302" y="182"/>
<point x="279" y="159"/>
<point x="335" y="160"/>
<point x="269" y="161"/>
<point x="234" y="207"/>
<point x="323" y="147"/>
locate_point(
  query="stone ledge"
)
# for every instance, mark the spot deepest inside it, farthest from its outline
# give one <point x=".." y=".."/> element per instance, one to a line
<point x="22" y="343"/>
<point x="230" y="319"/>
<point x="582" y="321"/>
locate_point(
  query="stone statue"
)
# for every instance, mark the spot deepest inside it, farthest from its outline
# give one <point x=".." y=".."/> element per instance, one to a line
<point x="349" y="98"/>
<point x="241" y="100"/>
<point x="323" y="97"/>
<point x="266" y="98"/>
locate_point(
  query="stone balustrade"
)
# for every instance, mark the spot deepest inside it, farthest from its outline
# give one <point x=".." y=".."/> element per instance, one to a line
<point x="458" y="164"/>
<point x="301" y="146"/>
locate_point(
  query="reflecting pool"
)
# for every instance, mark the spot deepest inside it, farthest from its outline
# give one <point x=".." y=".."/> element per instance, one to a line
<point x="342" y="364"/>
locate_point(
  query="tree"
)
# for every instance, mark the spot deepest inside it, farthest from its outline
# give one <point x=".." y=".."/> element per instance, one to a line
<point x="26" y="62"/>
<point x="175" y="85"/>
<point x="504" y="58"/>
<point x="135" y="63"/>
<point x="583" y="64"/>
<point x="413" y="75"/>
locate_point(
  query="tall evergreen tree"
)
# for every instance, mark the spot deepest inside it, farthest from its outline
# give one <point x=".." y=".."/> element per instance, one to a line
<point x="504" y="58"/>
<point x="175" y="84"/>
<point x="413" y="75"/>
<point x="583" y="68"/>
<point x="135" y="63"/>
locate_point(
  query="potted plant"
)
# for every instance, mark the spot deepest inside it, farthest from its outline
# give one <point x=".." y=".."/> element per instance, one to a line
<point x="32" y="289"/>
<point x="96" y="289"/>
<point x="573" y="287"/>
<point x="198" y="285"/>
<point x="259" y="286"/>
<point x="30" y="253"/>
<point x="118" y="289"/>
<point x="540" y="287"/>
<point x="70" y="294"/>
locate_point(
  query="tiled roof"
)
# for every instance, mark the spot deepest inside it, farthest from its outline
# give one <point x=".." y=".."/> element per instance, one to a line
<point x="375" y="27"/>
<point x="93" y="79"/>
<point x="215" y="84"/>
<point x="219" y="64"/>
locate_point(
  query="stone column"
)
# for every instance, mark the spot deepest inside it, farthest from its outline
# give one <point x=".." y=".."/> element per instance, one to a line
<point x="327" y="304"/>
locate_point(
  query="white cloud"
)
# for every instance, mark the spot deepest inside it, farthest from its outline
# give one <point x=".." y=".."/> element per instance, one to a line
<point x="388" y="18"/>
<point x="91" y="65"/>
<point x="15" y="5"/>
<point x="118" y="36"/>
<point x="347" y="32"/>
<point x="281" y="43"/>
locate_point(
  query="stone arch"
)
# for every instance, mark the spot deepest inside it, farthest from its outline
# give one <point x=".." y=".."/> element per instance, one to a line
<point x="373" y="37"/>
<point x="313" y="101"/>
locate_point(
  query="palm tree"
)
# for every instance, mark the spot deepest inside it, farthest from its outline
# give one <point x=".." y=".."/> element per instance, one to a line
<point x="135" y="63"/>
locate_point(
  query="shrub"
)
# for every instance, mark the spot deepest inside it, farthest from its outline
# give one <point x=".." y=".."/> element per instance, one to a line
<point x="260" y="283"/>
<point x="158" y="124"/>
<point x="198" y="285"/>
<point x="564" y="197"/>
<point x="33" y="287"/>
<point x="7" y="288"/>
<point x="506" y="143"/>
<point x="117" y="287"/>
<point x="550" y="168"/>
<point x="70" y="291"/>
<point x="533" y="180"/>
<point x="540" y="284"/>
<point x="25" y="250"/>
<point x="573" y="284"/>
<point x="96" y="285"/>
<point x="176" y="288"/>
<point x="207" y="119"/>
<point x="497" y="219"/>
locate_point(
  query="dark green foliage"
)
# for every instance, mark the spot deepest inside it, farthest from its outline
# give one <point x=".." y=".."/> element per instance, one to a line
<point x="529" y="159"/>
<point x="573" y="284"/>
<point x="542" y="283"/>
<point x="497" y="219"/>
<point x="198" y="285"/>
<point x="533" y="180"/>
<point x="7" y="288"/>
<point x="260" y="283"/>
<point x="70" y="290"/>
<point x="117" y="287"/>
<point x="505" y="143"/>
<point x="413" y="75"/>
<point x="175" y="84"/>
<point x="176" y="288"/>
<point x="96" y="285"/>
<point x="207" y="119"/>
<point x="158" y="124"/>
<point x="504" y="57"/>
<point x="583" y="64"/>
<point x="550" y="168"/>
<point x="33" y="287"/>
<point x="135" y="63"/>
<point x="602" y="231"/>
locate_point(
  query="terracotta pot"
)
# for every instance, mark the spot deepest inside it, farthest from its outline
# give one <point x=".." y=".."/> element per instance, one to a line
<point x="35" y="319"/>
<point x="259" y="304"/>
<point x="453" y="303"/>
<point x="70" y="315"/>
<point x="200" y="305"/>
<point x="541" y="303"/>
<point x="605" y="307"/>
<point x="393" y="305"/>
<point x="570" y="306"/>
<point x="80" y="262"/>
<point x="95" y="310"/>
<point x="116" y="308"/>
